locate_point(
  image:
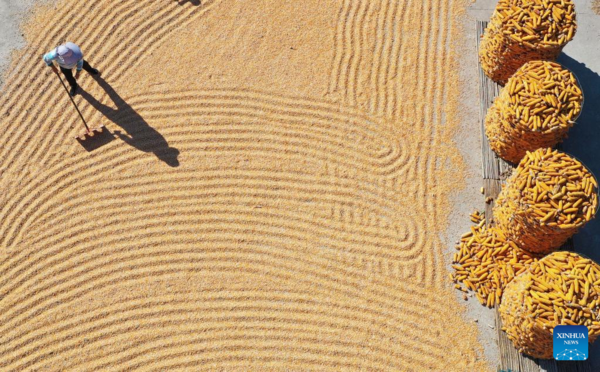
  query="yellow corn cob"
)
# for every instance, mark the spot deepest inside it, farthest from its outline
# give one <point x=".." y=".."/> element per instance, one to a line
<point x="532" y="303"/>
<point x="524" y="30"/>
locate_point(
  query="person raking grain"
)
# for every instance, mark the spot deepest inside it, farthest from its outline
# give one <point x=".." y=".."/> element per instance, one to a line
<point x="69" y="56"/>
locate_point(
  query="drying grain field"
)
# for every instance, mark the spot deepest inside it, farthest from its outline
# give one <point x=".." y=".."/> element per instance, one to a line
<point x="273" y="199"/>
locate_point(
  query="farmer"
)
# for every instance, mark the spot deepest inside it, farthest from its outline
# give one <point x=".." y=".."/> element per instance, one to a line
<point x="69" y="56"/>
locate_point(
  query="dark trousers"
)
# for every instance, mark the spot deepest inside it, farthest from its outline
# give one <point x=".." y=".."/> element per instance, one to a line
<point x="69" y="73"/>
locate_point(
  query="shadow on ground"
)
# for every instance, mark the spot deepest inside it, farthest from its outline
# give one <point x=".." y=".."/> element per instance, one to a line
<point x="584" y="143"/>
<point x="100" y="137"/>
<point x="193" y="2"/>
<point x="139" y="133"/>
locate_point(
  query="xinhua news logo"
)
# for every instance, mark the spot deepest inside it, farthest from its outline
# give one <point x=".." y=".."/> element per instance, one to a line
<point x="570" y="342"/>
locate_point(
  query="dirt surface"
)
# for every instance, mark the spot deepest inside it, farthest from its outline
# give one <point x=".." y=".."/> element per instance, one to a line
<point x="274" y="197"/>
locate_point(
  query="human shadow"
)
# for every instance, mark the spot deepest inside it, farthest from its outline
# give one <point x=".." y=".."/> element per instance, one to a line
<point x="139" y="133"/>
<point x="193" y="2"/>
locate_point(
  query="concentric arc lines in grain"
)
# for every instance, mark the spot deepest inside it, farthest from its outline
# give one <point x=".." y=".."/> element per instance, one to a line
<point x="123" y="59"/>
<point x="145" y="267"/>
<point x="23" y="200"/>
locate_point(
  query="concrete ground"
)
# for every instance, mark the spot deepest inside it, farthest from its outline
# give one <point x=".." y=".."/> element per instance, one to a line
<point x="11" y="12"/>
<point x="468" y="140"/>
<point x="582" y="56"/>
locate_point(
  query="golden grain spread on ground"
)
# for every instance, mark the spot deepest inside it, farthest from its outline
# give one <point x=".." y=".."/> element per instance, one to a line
<point x="486" y="262"/>
<point x="525" y="30"/>
<point x="546" y="200"/>
<point x="535" y="109"/>
<point x="266" y="203"/>
<point x="562" y="288"/>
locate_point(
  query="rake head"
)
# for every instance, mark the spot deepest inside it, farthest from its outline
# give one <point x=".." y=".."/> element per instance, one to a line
<point x="93" y="133"/>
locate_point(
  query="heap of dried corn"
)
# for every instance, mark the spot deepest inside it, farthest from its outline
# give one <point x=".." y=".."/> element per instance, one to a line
<point x="486" y="261"/>
<point x="562" y="288"/>
<point x="525" y="30"/>
<point x="549" y="196"/>
<point x="535" y="109"/>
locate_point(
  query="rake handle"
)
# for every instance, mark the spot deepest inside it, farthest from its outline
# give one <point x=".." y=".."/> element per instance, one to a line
<point x="72" y="100"/>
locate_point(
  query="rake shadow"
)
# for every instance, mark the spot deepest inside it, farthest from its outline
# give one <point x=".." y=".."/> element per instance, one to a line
<point x="139" y="133"/>
<point x="193" y="2"/>
<point x="99" y="139"/>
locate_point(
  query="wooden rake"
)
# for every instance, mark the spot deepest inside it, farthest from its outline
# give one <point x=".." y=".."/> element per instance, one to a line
<point x="88" y="133"/>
